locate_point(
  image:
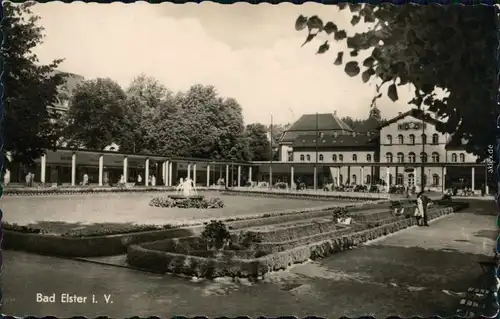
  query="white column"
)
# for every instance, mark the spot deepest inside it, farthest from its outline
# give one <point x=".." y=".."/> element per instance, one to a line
<point x="208" y="175"/>
<point x="250" y="174"/>
<point x="73" y="169"/>
<point x="239" y="176"/>
<point x="166" y="172"/>
<point x="338" y="176"/>
<point x="227" y="175"/>
<point x="292" y="175"/>
<point x="146" y="172"/>
<point x="362" y="172"/>
<point x="101" y="170"/>
<point x="125" y="170"/>
<point x="388" y="178"/>
<point x="473" y="172"/>
<point x="315" y="178"/>
<point x="188" y="171"/>
<point x="43" y="168"/>
<point x="169" y="173"/>
<point x="194" y="173"/>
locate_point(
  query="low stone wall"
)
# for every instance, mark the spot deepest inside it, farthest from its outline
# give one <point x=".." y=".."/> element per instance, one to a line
<point x="350" y="196"/>
<point x="141" y="256"/>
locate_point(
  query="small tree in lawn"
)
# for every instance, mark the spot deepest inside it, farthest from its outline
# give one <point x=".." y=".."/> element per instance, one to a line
<point x="216" y="235"/>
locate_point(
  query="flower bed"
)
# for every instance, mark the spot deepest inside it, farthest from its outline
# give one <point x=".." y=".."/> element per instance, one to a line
<point x="334" y="196"/>
<point x="75" y="190"/>
<point x="198" y="203"/>
<point x="146" y="257"/>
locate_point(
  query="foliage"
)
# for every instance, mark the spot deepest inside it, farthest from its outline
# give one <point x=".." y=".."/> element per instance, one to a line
<point x="258" y="142"/>
<point x="447" y="47"/>
<point x="352" y="122"/>
<point x="248" y="239"/>
<point x="91" y="231"/>
<point x="204" y="203"/>
<point x="340" y="213"/>
<point x="29" y="125"/>
<point x="216" y="235"/>
<point x="97" y="114"/>
<point x="145" y="96"/>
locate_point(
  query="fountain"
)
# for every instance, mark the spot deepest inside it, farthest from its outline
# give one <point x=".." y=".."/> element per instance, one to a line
<point x="186" y="190"/>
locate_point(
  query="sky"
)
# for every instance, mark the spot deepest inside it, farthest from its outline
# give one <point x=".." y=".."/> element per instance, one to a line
<point x="249" y="52"/>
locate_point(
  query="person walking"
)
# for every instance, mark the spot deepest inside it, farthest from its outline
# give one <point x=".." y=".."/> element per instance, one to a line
<point x="425" y="202"/>
<point x="419" y="211"/>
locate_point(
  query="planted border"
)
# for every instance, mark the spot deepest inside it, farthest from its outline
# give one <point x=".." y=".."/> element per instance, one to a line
<point x="144" y="257"/>
<point x="350" y="196"/>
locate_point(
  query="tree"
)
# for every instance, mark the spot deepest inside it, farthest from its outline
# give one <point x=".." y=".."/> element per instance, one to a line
<point x="144" y="95"/>
<point x="97" y="114"/>
<point x="29" y="126"/>
<point x="375" y="113"/>
<point x="447" y="47"/>
<point x="278" y="130"/>
<point x="258" y="142"/>
<point x="352" y="122"/>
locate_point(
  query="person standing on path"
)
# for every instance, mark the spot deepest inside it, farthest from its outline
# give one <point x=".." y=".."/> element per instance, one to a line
<point x="425" y="202"/>
<point x="419" y="211"/>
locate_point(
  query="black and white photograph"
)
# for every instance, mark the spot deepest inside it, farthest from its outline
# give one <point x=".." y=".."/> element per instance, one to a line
<point x="248" y="160"/>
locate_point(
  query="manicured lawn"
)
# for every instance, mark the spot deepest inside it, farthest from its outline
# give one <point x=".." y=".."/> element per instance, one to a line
<point x="60" y="213"/>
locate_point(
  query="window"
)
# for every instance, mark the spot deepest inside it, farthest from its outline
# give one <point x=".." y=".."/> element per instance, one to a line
<point x="411" y="157"/>
<point x="453" y="158"/>
<point x="400" y="179"/>
<point x="423" y="157"/>
<point x="321" y="157"/>
<point x="435" y="139"/>
<point x="354" y="179"/>
<point x="334" y="158"/>
<point x="341" y="158"/>
<point x="308" y="157"/>
<point x="412" y="139"/>
<point x="401" y="158"/>
<point x="368" y="179"/>
<point x="424" y="139"/>
<point x="354" y="157"/>
<point x="341" y="179"/>
<point x="388" y="157"/>
<point x="368" y="157"/>
<point x="301" y="158"/>
<point x="435" y="157"/>
<point x="290" y="156"/>
<point x="462" y="158"/>
<point x="389" y="139"/>
<point x="400" y="139"/>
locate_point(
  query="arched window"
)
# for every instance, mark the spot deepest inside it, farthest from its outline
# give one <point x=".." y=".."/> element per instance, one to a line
<point x="400" y="179"/>
<point x="321" y="157"/>
<point x="462" y="158"/>
<point x="368" y="157"/>
<point x="435" y="157"/>
<point x="435" y="180"/>
<point x="424" y="139"/>
<point x="401" y="140"/>
<point x="453" y="158"/>
<point x="354" y="179"/>
<point x="411" y="179"/>
<point x="401" y="158"/>
<point x="435" y="139"/>
<point x="388" y="157"/>
<point x="412" y="139"/>
<point x="334" y="158"/>
<point x="308" y="157"/>
<point x="368" y="179"/>
<point x="411" y="157"/>
<point x="354" y="157"/>
<point x="341" y="158"/>
<point x="423" y="157"/>
<point x="301" y="158"/>
<point x="389" y="139"/>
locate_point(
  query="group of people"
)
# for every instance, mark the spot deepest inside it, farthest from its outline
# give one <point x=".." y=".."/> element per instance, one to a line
<point x="30" y="179"/>
<point x="423" y="203"/>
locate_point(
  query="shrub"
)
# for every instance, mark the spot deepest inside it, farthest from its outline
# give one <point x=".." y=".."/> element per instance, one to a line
<point x="22" y="229"/>
<point x="340" y="213"/>
<point x="216" y="235"/>
<point x="446" y="197"/>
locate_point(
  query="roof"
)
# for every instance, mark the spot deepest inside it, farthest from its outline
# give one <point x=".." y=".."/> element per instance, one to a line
<point x="309" y="124"/>
<point x="369" y="125"/>
<point x="359" y="140"/>
<point x="418" y="114"/>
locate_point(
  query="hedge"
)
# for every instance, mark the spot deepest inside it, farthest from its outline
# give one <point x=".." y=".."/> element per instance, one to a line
<point x="333" y="196"/>
<point x="162" y="261"/>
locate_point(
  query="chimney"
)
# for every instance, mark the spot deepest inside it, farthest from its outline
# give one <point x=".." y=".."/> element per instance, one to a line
<point x="335" y="112"/>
